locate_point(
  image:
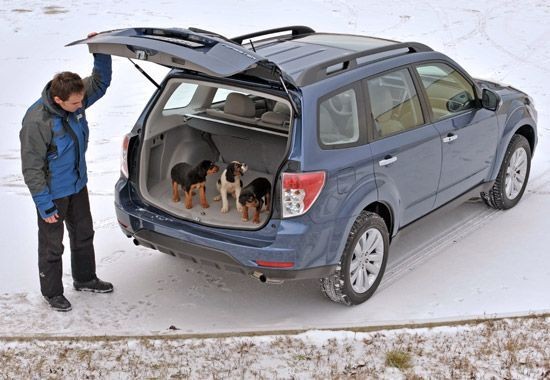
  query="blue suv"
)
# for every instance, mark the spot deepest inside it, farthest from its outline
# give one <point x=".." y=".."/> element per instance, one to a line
<point x="357" y="137"/>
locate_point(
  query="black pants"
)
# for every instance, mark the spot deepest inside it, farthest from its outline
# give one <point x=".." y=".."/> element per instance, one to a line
<point x="74" y="211"/>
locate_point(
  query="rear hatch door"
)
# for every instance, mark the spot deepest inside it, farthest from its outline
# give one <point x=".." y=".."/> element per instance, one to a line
<point x="188" y="49"/>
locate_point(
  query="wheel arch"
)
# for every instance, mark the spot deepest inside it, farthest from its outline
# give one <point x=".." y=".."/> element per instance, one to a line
<point x="524" y="128"/>
<point x="528" y="132"/>
<point x="385" y="213"/>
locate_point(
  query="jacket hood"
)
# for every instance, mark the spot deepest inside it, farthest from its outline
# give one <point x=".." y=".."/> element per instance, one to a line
<point x="48" y="102"/>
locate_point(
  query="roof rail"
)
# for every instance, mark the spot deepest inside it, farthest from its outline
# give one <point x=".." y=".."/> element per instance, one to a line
<point x="297" y="30"/>
<point x="317" y="72"/>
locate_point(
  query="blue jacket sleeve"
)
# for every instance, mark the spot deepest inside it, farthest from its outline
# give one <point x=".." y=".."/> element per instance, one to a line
<point x="96" y="85"/>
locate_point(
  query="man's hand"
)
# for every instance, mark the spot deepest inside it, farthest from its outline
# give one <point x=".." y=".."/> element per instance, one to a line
<point x="52" y="219"/>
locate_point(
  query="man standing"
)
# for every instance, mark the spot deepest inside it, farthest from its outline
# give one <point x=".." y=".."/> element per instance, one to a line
<point x="54" y="139"/>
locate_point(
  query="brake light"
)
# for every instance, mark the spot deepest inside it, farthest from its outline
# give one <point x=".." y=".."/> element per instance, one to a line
<point x="300" y="191"/>
<point x="124" y="156"/>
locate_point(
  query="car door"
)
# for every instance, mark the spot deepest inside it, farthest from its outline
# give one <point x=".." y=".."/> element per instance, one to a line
<point x="468" y="133"/>
<point x="406" y="150"/>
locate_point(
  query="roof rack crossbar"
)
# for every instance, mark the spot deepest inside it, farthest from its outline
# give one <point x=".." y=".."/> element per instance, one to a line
<point x="296" y="30"/>
<point x="314" y="73"/>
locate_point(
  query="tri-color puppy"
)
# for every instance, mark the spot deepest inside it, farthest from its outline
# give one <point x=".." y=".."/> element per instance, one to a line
<point x="253" y="196"/>
<point x="230" y="183"/>
<point x="190" y="178"/>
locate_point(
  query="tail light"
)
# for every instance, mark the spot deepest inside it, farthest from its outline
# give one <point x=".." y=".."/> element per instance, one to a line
<point x="300" y="191"/>
<point x="124" y="156"/>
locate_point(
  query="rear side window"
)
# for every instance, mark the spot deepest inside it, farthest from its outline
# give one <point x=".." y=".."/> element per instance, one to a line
<point x="181" y="97"/>
<point x="394" y="103"/>
<point x="339" y="119"/>
<point x="447" y="90"/>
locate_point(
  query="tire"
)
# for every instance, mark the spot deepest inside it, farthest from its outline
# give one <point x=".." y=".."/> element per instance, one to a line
<point x="512" y="177"/>
<point x="362" y="265"/>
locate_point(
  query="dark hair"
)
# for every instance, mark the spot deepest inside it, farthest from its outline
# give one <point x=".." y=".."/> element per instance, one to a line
<point x="65" y="84"/>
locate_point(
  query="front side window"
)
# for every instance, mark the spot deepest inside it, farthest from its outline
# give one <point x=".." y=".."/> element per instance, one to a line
<point x="448" y="91"/>
<point x="339" y="119"/>
<point x="394" y="103"/>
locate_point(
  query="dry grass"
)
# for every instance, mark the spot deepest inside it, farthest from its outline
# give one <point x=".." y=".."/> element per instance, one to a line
<point x="398" y="359"/>
<point x="507" y="349"/>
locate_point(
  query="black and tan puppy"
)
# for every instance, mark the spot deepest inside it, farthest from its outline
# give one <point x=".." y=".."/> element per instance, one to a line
<point x="190" y="178"/>
<point x="230" y="183"/>
<point x="253" y="196"/>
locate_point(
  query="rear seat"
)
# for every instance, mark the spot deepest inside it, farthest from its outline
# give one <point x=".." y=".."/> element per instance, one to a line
<point x="238" y="107"/>
<point x="278" y="118"/>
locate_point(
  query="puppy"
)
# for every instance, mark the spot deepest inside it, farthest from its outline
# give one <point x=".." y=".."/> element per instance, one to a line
<point x="253" y="196"/>
<point x="190" y="178"/>
<point x="230" y="183"/>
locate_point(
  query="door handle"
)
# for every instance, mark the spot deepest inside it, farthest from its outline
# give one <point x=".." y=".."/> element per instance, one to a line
<point x="450" y="137"/>
<point x="387" y="160"/>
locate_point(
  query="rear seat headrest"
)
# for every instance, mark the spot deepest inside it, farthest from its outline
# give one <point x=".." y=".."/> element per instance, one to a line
<point x="281" y="108"/>
<point x="239" y="105"/>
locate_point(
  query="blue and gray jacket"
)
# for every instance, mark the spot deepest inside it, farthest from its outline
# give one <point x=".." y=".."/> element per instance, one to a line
<point x="54" y="142"/>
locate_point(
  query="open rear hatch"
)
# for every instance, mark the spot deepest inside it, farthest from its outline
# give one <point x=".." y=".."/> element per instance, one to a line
<point x="194" y="132"/>
<point x="194" y="50"/>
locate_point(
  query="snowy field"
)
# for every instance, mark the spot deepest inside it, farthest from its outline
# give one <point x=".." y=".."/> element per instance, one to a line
<point x="471" y="263"/>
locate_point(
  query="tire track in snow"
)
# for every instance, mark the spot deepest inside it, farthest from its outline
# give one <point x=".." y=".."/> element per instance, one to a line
<point x="455" y="233"/>
<point x="436" y="246"/>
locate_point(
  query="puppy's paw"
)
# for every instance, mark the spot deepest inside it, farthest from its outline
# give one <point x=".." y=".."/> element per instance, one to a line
<point x="205" y="205"/>
<point x="244" y="219"/>
<point x="240" y="208"/>
<point x="224" y="210"/>
<point x="217" y="198"/>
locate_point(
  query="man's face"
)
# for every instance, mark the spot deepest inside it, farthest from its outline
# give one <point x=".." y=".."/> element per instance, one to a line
<point x="73" y="103"/>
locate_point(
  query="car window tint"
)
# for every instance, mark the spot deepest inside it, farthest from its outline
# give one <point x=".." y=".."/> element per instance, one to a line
<point x="181" y="97"/>
<point x="448" y="91"/>
<point x="338" y="119"/>
<point x="394" y="103"/>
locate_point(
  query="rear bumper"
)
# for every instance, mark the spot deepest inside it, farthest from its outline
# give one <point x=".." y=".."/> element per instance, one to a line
<point x="301" y="242"/>
<point x="222" y="260"/>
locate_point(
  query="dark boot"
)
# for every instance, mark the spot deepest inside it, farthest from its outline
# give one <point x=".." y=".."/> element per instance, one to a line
<point x="95" y="286"/>
<point x="59" y="303"/>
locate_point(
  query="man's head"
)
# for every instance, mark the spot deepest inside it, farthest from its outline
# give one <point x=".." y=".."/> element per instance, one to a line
<point x="67" y="90"/>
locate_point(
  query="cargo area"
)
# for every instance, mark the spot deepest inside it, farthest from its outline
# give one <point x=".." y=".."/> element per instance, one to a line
<point x="248" y="128"/>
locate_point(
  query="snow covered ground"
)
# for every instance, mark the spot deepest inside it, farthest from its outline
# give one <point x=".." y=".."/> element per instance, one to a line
<point x="472" y="262"/>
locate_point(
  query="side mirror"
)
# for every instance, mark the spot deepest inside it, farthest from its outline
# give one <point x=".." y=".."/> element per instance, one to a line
<point x="490" y="100"/>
